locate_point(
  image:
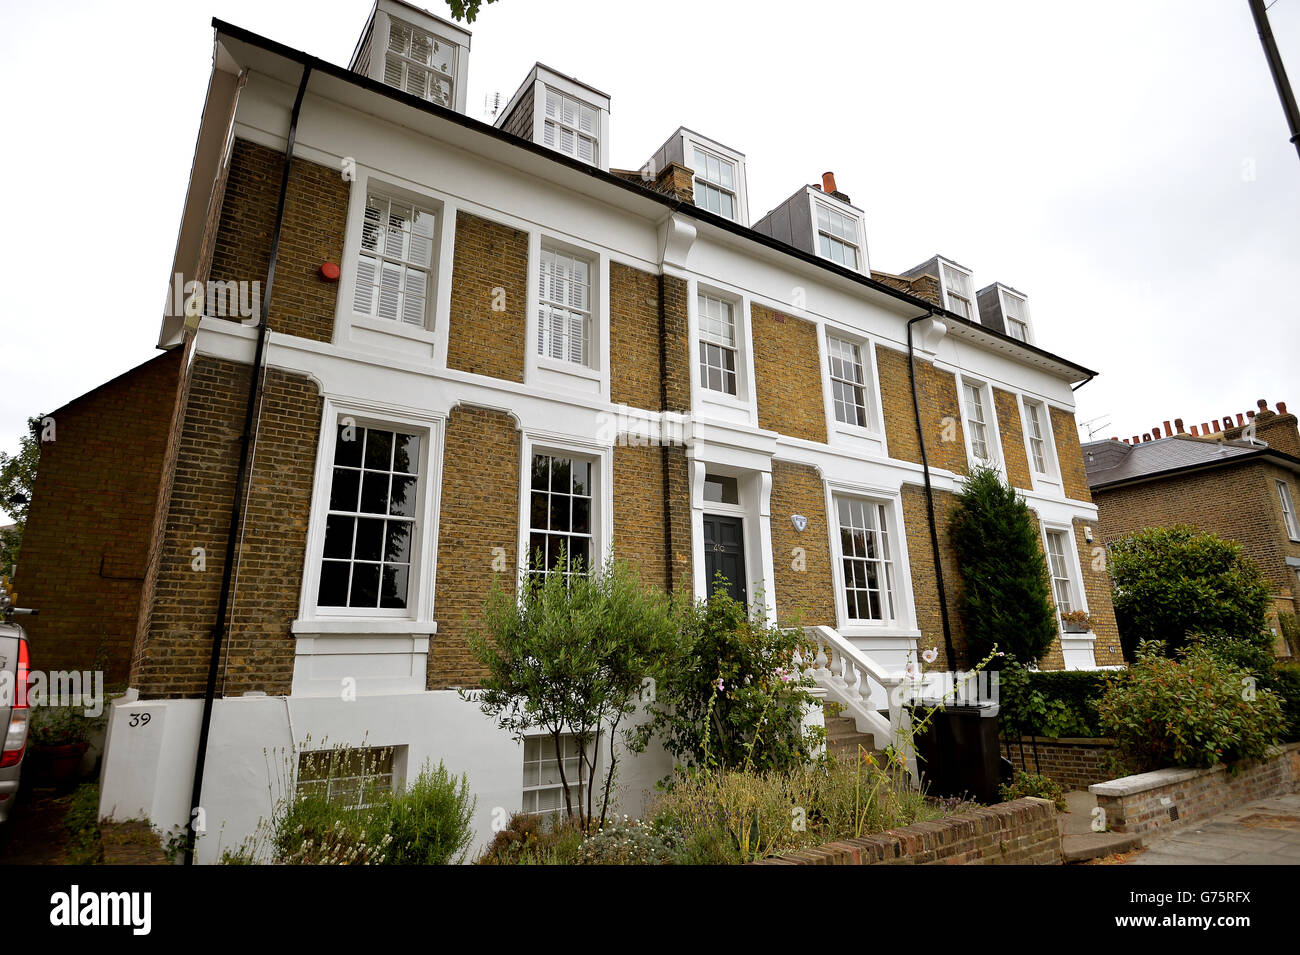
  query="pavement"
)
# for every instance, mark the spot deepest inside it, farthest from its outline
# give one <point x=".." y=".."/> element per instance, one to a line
<point x="1266" y="832"/>
<point x="1078" y="841"/>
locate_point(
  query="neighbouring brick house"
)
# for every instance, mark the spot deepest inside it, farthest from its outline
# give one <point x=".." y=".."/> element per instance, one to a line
<point x="482" y="343"/>
<point x="1238" y="478"/>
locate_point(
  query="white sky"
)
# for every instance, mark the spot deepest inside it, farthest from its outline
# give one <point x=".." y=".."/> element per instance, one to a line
<point x="1126" y="166"/>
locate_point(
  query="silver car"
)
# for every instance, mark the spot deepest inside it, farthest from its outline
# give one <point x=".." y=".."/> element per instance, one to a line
<point x="14" y="711"/>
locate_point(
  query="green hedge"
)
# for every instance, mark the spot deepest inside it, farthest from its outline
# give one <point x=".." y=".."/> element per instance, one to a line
<point x="1052" y="703"/>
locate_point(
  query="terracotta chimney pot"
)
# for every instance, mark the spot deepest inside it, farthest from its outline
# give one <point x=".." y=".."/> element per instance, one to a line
<point x="828" y="182"/>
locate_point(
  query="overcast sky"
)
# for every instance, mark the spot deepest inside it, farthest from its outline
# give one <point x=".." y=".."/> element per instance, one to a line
<point x="1124" y="164"/>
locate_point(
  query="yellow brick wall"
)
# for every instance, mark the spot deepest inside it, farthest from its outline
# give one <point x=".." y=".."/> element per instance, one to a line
<point x="488" y="256"/>
<point x="787" y="373"/>
<point x="806" y="594"/>
<point x="1014" y="453"/>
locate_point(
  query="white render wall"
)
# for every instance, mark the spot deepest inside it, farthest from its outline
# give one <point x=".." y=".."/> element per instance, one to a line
<point x="149" y="767"/>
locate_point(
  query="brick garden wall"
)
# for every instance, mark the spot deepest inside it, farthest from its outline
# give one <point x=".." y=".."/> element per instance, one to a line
<point x="1075" y="763"/>
<point x="86" y="544"/>
<point x="1023" y="832"/>
<point x="1172" y="798"/>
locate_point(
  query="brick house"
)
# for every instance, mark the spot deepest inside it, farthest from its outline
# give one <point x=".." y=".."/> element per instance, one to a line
<point x="481" y="342"/>
<point x="1239" y="479"/>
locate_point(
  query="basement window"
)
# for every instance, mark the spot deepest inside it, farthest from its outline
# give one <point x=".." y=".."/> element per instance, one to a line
<point x="543" y="789"/>
<point x="349" y="777"/>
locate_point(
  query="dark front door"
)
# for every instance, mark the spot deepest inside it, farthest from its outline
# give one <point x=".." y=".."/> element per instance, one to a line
<point x="724" y="553"/>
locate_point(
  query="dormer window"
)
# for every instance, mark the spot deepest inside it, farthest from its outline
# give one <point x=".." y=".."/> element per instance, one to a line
<point x="571" y="127"/>
<point x="420" y="63"/>
<point x="1015" y="311"/>
<point x="715" y="183"/>
<point x="560" y="113"/>
<point x="415" y="52"/>
<point x="837" y="237"/>
<point x="1003" y="309"/>
<point x="958" y="291"/>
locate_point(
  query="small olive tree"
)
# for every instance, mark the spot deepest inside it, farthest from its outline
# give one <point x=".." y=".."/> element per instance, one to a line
<point x="1006" y="594"/>
<point x="573" y="654"/>
<point x="1174" y="582"/>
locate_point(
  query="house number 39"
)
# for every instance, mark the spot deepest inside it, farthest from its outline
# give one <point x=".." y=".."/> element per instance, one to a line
<point x="140" y="719"/>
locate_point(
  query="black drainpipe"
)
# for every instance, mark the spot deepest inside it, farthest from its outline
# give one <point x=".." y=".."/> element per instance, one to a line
<point x="929" y="497"/>
<point x="236" y="507"/>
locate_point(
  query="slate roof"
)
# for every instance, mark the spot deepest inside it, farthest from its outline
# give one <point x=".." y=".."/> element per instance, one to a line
<point x="1114" y="462"/>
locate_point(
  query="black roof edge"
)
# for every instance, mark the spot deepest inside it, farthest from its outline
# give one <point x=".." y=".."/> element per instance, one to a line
<point x="676" y="205"/>
<point x="1271" y="453"/>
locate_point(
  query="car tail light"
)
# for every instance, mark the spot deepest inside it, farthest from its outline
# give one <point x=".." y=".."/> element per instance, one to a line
<point x="16" y="734"/>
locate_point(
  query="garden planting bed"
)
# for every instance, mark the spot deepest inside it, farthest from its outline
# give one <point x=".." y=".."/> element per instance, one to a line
<point x="1021" y="832"/>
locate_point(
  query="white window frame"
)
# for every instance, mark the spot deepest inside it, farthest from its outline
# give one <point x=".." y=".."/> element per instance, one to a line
<point x="1051" y="472"/>
<point x="351" y="327"/>
<point x="903" y="622"/>
<point x="547" y="373"/>
<point x="1005" y="295"/>
<point x="701" y="178"/>
<point x="707" y="338"/>
<point x="1289" y="517"/>
<point x="407" y="62"/>
<point x="546" y="755"/>
<point x="417" y="616"/>
<point x="740" y="406"/>
<point x="600" y="456"/>
<point x="545" y="341"/>
<point x="404" y="261"/>
<point x="950" y="295"/>
<point x="691" y="140"/>
<point x="575" y="128"/>
<point x="858" y="245"/>
<point x="1074" y="573"/>
<point x="992" y="435"/>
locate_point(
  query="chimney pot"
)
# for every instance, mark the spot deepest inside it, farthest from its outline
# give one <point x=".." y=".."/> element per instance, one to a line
<point x="1155" y="433"/>
<point x="1137" y="439"/>
<point x="828" y="182"/>
<point x="1281" y="407"/>
<point x="1261" y="404"/>
<point x="1168" y="430"/>
<point x="1241" y="419"/>
<point x="1195" y="433"/>
<point x="1250" y="414"/>
<point x="1178" y="423"/>
<point x="1146" y="436"/>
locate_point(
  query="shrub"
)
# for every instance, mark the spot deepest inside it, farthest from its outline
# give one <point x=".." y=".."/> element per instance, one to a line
<point x="59" y="726"/>
<point x="311" y="830"/>
<point x="629" y="842"/>
<point x="1289" y="624"/>
<point x="570" y="654"/>
<point x="1005" y="597"/>
<point x="85" y="847"/>
<point x="1192" y="712"/>
<point x="429" y="822"/>
<point x="1172" y="582"/>
<point x="731" y="696"/>
<point x="1052" y="703"/>
<point x="1035" y="784"/>
<point x="531" y="839"/>
<point x="1288" y="689"/>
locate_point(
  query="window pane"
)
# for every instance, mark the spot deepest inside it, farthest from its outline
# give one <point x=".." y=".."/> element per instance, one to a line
<point x="374" y="493"/>
<point x="338" y="536"/>
<point x="393" y="594"/>
<point x="344" y="489"/>
<point x="365" y="585"/>
<point x="370" y="539"/>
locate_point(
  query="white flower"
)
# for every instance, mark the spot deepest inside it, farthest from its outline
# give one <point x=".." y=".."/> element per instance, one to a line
<point x="930" y="655"/>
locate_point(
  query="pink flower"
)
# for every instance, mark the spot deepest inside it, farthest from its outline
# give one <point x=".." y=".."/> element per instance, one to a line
<point x="930" y="655"/>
